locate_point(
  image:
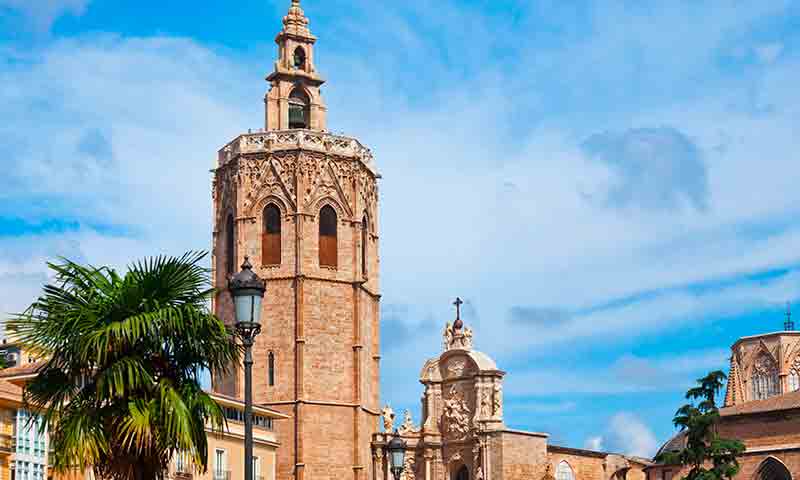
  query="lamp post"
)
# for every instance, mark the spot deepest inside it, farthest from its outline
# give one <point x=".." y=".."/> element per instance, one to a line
<point x="397" y="455"/>
<point x="248" y="291"/>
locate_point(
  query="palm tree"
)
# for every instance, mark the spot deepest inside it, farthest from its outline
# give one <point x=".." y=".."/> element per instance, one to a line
<point x="120" y="386"/>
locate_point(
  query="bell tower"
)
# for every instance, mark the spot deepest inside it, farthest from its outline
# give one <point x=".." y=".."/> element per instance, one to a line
<point x="294" y="99"/>
<point x="302" y="205"/>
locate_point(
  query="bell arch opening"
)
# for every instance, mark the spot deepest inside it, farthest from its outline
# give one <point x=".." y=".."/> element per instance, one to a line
<point x="299" y="109"/>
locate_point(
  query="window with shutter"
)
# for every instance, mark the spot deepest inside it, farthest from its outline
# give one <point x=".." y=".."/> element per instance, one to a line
<point x="271" y="238"/>
<point x="328" y="249"/>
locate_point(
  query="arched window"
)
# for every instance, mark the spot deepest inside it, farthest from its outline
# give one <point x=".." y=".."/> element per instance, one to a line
<point x="765" y="379"/>
<point x="230" y="246"/>
<point x="299" y="109"/>
<point x="328" y="250"/>
<point x="271" y="369"/>
<point x="794" y="375"/>
<point x="271" y="238"/>
<point x="299" y="58"/>
<point x="772" y="469"/>
<point x="364" y="246"/>
<point x="564" y="471"/>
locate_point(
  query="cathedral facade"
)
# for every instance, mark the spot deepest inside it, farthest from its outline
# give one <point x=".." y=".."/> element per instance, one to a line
<point x="302" y="205"/>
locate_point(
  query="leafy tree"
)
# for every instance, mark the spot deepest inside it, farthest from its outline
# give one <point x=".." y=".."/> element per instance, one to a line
<point x="709" y="456"/>
<point x="120" y="387"/>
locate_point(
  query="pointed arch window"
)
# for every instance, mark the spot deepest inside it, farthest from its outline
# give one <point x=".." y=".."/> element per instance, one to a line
<point x="230" y="246"/>
<point x="364" y="246"/>
<point x="328" y="248"/>
<point x="794" y="375"/>
<point x="772" y="469"/>
<point x="271" y="369"/>
<point x="299" y="58"/>
<point x="299" y="109"/>
<point x="765" y="378"/>
<point x="564" y="471"/>
<point x="271" y="236"/>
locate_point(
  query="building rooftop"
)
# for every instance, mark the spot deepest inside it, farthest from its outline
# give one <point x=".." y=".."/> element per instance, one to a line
<point x="786" y="401"/>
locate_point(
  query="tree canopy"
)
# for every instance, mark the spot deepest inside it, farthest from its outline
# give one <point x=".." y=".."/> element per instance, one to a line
<point x="708" y="456"/>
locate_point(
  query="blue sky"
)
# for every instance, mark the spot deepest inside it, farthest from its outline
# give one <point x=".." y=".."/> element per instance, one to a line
<point x="611" y="185"/>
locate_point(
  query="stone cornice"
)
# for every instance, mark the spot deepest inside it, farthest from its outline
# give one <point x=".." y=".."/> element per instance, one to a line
<point x="288" y="140"/>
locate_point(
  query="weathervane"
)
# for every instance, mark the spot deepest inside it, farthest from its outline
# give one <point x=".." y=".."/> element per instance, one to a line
<point x="789" y="325"/>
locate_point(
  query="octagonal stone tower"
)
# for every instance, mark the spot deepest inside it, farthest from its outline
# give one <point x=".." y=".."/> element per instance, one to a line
<point x="302" y="204"/>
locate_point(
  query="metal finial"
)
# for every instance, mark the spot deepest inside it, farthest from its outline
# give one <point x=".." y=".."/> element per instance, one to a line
<point x="296" y="3"/>
<point x="789" y="325"/>
<point x="458" y="323"/>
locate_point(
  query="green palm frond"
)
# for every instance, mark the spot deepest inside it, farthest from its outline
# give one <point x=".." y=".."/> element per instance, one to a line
<point x="121" y="386"/>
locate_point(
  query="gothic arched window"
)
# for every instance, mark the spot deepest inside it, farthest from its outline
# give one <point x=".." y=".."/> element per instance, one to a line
<point x="230" y="246"/>
<point x="765" y="379"/>
<point x="564" y="471"/>
<point x="299" y="109"/>
<point x="271" y="369"/>
<point x="794" y="375"/>
<point x="328" y="249"/>
<point x="364" y="246"/>
<point x="299" y="58"/>
<point x="271" y="238"/>
<point x="772" y="469"/>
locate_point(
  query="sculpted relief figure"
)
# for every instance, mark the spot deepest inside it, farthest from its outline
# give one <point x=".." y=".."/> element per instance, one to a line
<point x="456" y="414"/>
<point x="388" y="419"/>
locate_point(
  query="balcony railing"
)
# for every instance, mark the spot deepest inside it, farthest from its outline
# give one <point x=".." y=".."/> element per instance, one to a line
<point x="8" y="443"/>
<point x="222" y="475"/>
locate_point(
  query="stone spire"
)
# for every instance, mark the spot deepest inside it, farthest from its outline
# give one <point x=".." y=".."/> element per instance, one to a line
<point x="295" y="22"/>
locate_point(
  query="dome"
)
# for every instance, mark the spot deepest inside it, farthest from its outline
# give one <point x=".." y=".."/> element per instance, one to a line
<point x="674" y="444"/>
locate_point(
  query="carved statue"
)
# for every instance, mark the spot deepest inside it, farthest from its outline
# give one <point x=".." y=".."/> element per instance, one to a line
<point x="466" y="340"/>
<point x="407" y="426"/>
<point x="479" y="473"/>
<point x="498" y="400"/>
<point x="388" y="419"/>
<point x="447" y="336"/>
<point x="485" y="403"/>
<point x="408" y="471"/>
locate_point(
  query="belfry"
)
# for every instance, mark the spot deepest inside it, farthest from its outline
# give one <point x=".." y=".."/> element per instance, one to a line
<point x="302" y="204"/>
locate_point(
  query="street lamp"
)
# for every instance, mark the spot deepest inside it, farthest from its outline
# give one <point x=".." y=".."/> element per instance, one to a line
<point x="397" y="455"/>
<point x="248" y="292"/>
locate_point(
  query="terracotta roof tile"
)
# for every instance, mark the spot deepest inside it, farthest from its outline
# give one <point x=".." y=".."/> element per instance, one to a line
<point x="787" y="401"/>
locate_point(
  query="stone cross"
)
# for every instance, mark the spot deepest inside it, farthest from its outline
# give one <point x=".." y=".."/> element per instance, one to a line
<point x="458" y="304"/>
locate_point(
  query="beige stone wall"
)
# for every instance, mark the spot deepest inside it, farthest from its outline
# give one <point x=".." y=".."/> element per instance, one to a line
<point x="523" y="457"/>
<point x="585" y="466"/>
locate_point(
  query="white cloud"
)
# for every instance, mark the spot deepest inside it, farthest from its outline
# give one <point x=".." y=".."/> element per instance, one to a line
<point x="42" y="13"/>
<point x="629" y="435"/>
<point x="594" y="443"/>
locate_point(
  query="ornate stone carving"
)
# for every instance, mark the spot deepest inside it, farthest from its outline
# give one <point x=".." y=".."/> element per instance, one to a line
<point x="407" y="427"/>
<point x="455" y="456"/>
<point x="408" y="471"/>
<point x="497" y="409"/>
<point x="459" y="338"/>
<point x="456" y="414"/>
<point x="456" y="367"/>
<point x="388" y="418"/>
<point x="486" y="402"/>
